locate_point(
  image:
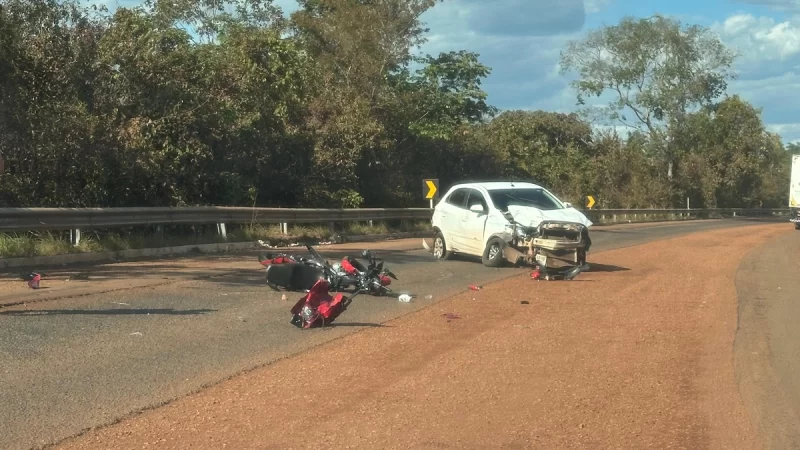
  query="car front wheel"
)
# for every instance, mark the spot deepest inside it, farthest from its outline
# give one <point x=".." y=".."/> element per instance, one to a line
<point x="440" y="247"/>
<point x="493" y="253"/>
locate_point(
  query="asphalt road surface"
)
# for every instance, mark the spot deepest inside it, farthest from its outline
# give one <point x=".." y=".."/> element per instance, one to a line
<point x="71" y="364"/>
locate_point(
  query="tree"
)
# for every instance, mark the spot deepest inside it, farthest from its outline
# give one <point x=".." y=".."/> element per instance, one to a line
<point x="356" y="47"/>
<point x="450" y="94"/>
<point x="656" y="70"/>
<point x="552" y="148"/>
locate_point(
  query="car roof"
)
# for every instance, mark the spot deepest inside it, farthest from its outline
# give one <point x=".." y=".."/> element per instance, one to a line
<point x="493" y="185"/>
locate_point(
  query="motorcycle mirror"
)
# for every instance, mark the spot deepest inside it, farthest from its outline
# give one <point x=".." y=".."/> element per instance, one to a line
<point x="391" y="275"/>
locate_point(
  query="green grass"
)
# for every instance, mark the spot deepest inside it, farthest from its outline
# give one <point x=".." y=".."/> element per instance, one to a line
<point x="20" y="245"/>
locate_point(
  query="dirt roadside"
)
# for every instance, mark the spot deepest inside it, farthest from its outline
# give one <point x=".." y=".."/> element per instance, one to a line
<point x="636" y="353"/>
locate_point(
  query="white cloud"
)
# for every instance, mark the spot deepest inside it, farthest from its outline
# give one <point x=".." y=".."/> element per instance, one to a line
<point x="768" y="67"/>
<point x="761" y="38"/>
<point x="523" y="55"/>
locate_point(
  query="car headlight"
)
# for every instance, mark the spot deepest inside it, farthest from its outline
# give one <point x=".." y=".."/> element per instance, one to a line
<point x="563" y="226"/>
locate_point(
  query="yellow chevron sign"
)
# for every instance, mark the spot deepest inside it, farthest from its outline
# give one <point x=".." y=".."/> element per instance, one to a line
<point x="589" y="201"/>
<point x="430" y="188"/>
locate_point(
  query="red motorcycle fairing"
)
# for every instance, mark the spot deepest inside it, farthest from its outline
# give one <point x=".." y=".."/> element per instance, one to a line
<point x="280" y="259"/>
<point x="385" y="281"/>
<point x="348" y="267"/>
<point x="318" y="308"/>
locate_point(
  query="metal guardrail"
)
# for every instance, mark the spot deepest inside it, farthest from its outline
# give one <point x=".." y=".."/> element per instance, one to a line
<point x="734" y="212"/>
<point x="75" y="219"/>
<point x="32" y="219"/>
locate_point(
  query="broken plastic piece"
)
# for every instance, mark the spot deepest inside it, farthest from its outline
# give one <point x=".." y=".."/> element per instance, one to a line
<point x="34" y="282"/>
<point x="405" y="298"/>
<point x="475" y="287"/>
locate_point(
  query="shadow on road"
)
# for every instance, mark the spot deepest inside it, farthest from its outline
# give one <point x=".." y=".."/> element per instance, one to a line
<point x="106" y="312"/>
<point x="594" y="267"/>
<point x="357" y="324"/>
<point x="187" y="267"/>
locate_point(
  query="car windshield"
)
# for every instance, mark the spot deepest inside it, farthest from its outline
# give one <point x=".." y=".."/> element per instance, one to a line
<point x="538" y="198"/>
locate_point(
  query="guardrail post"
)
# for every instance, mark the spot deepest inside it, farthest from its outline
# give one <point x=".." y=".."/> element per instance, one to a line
<point x="370" y="223"/>
<point x="284" y="228"/>
<point x="332" y="227"/>
<point x="221" y="231"/>
<point x="75" y="236"/>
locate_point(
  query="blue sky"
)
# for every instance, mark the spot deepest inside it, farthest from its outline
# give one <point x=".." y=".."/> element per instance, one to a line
<point x="521" y="40"/>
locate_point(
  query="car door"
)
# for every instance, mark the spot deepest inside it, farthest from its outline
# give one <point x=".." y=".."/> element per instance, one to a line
<point x="473" y="223"/>
<point x="453" y="209"/>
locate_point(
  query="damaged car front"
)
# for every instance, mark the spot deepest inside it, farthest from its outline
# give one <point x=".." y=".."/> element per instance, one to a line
<point x="509" y="222"/>
<point x="541" y="230"/>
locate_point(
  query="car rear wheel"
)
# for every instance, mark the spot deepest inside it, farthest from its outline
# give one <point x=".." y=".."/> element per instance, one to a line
<point x="440" y="247"/>
<point x="493" y="253"/>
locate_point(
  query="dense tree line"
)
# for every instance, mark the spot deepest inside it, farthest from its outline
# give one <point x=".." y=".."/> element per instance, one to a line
<point x="331" y="107"/>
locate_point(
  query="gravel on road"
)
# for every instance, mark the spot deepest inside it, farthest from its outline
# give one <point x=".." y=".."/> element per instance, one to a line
<point x="635" y="353"/>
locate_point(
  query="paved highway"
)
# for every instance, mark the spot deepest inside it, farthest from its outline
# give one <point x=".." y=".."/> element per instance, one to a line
<point x="74" y="363"/>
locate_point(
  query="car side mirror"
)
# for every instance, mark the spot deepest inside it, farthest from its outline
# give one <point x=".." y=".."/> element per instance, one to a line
<point x="477" y="208"/>
<point x="568" y="204"/>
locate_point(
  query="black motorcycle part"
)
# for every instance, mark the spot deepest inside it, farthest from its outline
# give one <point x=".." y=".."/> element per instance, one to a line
<point x="357" y="264"/>
<point x="293" y="277"/>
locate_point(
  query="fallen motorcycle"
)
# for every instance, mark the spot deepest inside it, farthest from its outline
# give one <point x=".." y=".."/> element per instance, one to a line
<point x="300" y="274"/>
<point x="318" y="308"/>
<point x="556" y="248"/>
<point x="373" y="278"/>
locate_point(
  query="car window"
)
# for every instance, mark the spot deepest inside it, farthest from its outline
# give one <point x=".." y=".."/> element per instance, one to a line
<point x="476" y="198"/>
<point x="457" y="198"/>
<point x="538" y="198"/>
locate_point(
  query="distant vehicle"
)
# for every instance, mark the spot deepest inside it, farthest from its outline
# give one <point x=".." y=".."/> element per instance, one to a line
<point x="794" y="192"/>
<point x="510" y="221"/>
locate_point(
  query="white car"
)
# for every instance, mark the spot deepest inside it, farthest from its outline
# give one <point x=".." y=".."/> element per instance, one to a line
<point x="500" y="221"/>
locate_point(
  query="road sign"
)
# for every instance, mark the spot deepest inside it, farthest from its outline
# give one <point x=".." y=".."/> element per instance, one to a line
<point x="589" y="201"/>
<point x="430" y="188"/>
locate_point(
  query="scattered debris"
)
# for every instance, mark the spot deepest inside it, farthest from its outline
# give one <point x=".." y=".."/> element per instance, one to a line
<point x="525" y="302"/>
<point x="136" y="333"/>
<point x="405" y="298"/>
<point x="451" y="316"/>
<point x="428" y="297"/>
<point x="475" y="287"/>
<point x="284" y="297"/>
<point x="121" y="303"/>
<point x="33" y="280"/>
<point x="265" y="244"/>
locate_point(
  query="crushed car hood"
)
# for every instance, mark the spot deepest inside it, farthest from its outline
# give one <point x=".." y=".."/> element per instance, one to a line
<point x="534" y="216"/>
